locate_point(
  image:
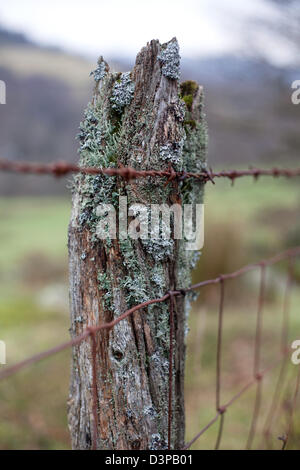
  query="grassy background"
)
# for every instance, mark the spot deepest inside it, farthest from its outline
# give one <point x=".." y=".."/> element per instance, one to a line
<point x="243" y="224"/>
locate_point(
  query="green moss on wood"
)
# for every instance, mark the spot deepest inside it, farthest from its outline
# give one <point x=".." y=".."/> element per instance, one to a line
<point x="189" y="88"/>
<point x="188" y="99"/>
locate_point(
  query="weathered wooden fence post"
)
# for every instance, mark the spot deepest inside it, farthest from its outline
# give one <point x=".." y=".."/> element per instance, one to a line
<point x="145" y="120"/>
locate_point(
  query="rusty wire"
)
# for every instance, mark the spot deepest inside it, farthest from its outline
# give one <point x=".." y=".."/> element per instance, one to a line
<point x="258" y="374"/>
<point x="223" y="408"/>
<point x="293" y="252"/>
<point x="257" y="355"/>
<point x="171" y="348"/>
<point x="218" y="361"/>
<point x="94" y="391"/>
<point x="61" y="168"/>
<point x="284" y="347"/>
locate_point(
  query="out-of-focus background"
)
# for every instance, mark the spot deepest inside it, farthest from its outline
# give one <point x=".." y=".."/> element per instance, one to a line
<point x="246" y="55"/>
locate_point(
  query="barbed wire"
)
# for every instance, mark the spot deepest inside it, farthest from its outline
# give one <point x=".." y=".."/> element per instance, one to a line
<point x="258" y="374"/>
<point x="61" y="168"/>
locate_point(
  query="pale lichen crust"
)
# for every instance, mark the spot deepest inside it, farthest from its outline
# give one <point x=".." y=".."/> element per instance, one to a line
<point x="170" y="60"/>
<point x="122" y="92"/>
<point x="101" y="70"/>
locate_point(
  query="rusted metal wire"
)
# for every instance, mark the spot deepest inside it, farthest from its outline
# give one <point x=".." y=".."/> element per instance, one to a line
<point x="257" y="354"/>
<point x="219" y="360"/>
<point x="171" y="338"/>
<point x="293" y="252"/>
<point x="284" y="347"/>
<point x="94" y="391"/>
<point x="233" y="400"/>
<point x="220" y="433"/>
<point x="61" y="168"/>
<point x="219" y="342"/>
<point x="258" y="374"/>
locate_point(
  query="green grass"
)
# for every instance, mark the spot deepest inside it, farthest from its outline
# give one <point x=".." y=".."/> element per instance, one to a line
<point x="237" y="367"/>
<point x="248" y="197"/>
<point x="32" y="225"/>
<point x="33" y="266"/>
<point x="247" y="204"/>
<point x="242" y="224"/>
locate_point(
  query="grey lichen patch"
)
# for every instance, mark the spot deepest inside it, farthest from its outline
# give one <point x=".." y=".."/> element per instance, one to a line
<point x="170" y="59"/>
<point x="163" y="328"/>
<point x="179" y="111"/>
<point x="195" y="145"/>
<point x="140" y="287"/>
<point x="135" y="283"/>
<point x="105" y="285"/>
<point x="101" y="70"/>
<point x="128" y="254"/>
<point x="157" y="442"/>
<point x="173" y="153"/>
<point x="98" y="148"/>
<point x="136" y="288"/>
<point x="158" y="278"/>
<point x="122" y="93"/>
<point x="104" y="282"/>
<point x="79" y="319"/>
<point x="160" y="249"/>
<point x="98" y="139"/>
<point x="194" y="259"/>
<point x="150" y="411"/>
<point x="159" y="361"/>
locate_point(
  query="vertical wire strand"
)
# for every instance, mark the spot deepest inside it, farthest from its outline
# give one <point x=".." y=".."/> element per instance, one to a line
<point x="284" y="345"/>
<point x="219" y="363"/>
<point x="257" y="357"/>
<point x="220" y="432"/>
<point x="94" y="392"/>
<point x="171" y="320"/>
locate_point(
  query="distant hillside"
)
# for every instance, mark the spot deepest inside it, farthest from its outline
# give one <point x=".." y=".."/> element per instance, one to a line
<point x="10" y="37"/>
<point x="234" y="68"/>
<point x="46" y="94"/>
<point x="249" y="111"/>
<point x="25" y="58"/>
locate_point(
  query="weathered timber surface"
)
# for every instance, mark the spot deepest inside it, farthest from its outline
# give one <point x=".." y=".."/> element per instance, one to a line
<point x="143" y="119"/>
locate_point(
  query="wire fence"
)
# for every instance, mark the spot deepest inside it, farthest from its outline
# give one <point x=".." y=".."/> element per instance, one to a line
<point x="90" y="333"/>
<point x="62" y="169"/>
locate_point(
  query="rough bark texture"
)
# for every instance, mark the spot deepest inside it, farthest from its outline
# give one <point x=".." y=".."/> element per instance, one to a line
<point x="142" y="119"/>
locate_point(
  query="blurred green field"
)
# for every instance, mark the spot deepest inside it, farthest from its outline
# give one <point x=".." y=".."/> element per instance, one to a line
<point x="242" y="224"/>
